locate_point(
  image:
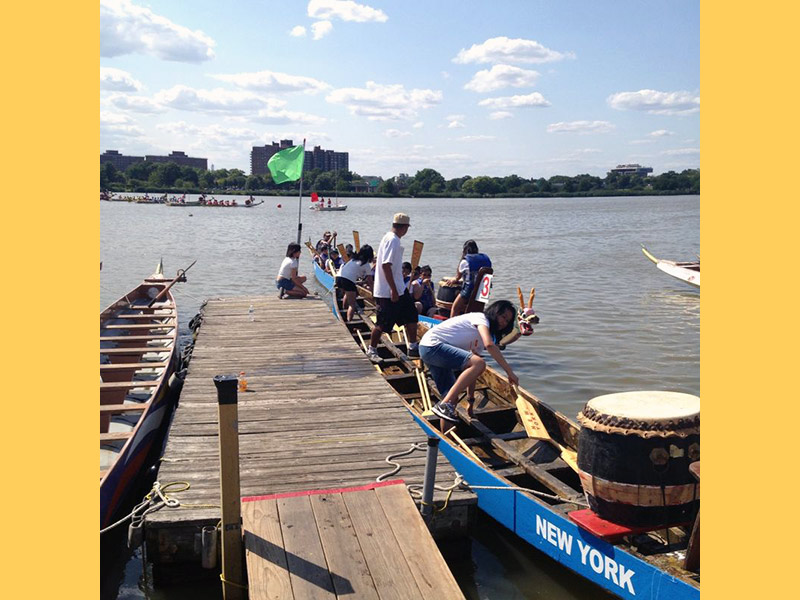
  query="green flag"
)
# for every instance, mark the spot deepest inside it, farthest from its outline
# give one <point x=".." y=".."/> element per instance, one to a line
<point x="287" y="165"/>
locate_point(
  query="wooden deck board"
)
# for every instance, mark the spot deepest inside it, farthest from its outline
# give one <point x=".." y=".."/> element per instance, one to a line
<point x="315" y="415"/>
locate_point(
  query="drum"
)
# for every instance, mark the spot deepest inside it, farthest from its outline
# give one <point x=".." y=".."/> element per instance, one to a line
<point x="634" y="452"/>
<point x="445" y="294"/>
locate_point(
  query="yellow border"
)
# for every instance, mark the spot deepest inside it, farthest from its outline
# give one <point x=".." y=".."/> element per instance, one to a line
<point x="49" y="303"/>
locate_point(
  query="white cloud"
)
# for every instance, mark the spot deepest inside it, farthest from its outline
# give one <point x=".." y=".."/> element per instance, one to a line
<point x="117" y="80"/>
<point x="109" y="118"/>
<point x="679" y="103"/>
<point x="395" y="133"/>
<point x="681" y="152"/>
<point x="455" y="125"/>
<point x="534" y="99"/>
<point x="581" y="127"/>
<point x="661" y="133"/>
<point x="500" y="114"/>
<point x="115" y="127"/>
<point x="418" y="125"/>
<point x="476" y="138"/>
<point x="273" y="82"/>
<point x="321" y="28"/>
<point x="286" y="117"/>
<point x="379" y="102"/>
<point x="346" y="10"/>
<point x="500" y="76"/>
<point x="126" y="28"/>
<point x="298" y="31"/>
<point x="140" y="104"/>
<point x="181" y="97"/>
<point x="506" y="50"/>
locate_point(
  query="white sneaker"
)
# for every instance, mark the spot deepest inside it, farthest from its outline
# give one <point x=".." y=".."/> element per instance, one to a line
<point x="372" y="354"/>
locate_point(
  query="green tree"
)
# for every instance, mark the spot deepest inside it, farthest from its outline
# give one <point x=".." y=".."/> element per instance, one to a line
<point x="254" y="182"/>
<point x="190" y="176"/>
<point x="426" y="178"/>
<point x="388" y="186"/>
<point x="140" y="170"/>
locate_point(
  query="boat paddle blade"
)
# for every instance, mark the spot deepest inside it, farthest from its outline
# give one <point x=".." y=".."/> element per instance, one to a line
<point x="342" y="252"/>
<point x="416" y="254"/>
<point x="530" y="419"/>
<point x="356" y="241"/>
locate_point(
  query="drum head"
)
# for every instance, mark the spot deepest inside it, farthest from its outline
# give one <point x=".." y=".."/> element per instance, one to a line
<point x="658" y="412"/>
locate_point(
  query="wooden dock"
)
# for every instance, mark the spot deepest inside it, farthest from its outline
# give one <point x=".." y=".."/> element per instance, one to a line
<point x="365" y="542"/>
<point x="315" y="415"/>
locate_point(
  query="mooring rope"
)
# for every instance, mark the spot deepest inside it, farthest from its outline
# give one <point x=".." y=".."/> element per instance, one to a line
<point x="144" y="508"/>
<point x="416" y="490"/>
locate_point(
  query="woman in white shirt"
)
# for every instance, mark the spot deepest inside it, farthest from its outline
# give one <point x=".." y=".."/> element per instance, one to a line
<point x="456" y="344"/>
<point x="358" y="268"/>
<point x="288" y="282"/>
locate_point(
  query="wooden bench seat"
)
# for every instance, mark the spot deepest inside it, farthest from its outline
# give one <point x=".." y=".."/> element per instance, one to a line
<point x="134" y="366"/>
<point x="170" y="315"/>
<point x="123" y="408"/>
<point x="135" y="351"/>
<point x="115" y="436"/>
<point x="125" y="385"/>
<point x="135" y="338"/>
<point x="145" y="326"/>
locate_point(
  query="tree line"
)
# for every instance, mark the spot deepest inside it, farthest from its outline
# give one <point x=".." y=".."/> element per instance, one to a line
<point x="173" y="178"/>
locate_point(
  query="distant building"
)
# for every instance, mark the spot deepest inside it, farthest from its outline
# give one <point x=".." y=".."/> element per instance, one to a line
<point x="634" y="169"/>
<point x="260" y="155"/>
<point x="120" y="161"/>
<point x="372" y="181"/>
<point x="179" y="158"/>
<point x="325" y="160"/>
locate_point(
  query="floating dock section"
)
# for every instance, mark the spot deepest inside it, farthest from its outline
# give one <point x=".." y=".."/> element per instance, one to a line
<point x="315" y="416"/>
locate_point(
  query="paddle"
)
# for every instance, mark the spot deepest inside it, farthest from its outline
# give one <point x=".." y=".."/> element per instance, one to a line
<point x="356" y="241"/>
<point x="180" y="276"/>
<point x="536" y="429"/>
<point x="342" y="253"/>
<point x="416" y="254"/>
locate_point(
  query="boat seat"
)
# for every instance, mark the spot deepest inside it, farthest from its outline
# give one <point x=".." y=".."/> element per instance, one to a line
<point x="170" y="315"/>
<point x="135" y="351"/>
<point x="144" y="326"/>
<point x="135" y="338"/>
<point x="115" y="436"/>
<point x="123" y="408"/>
<point x="133" y="366"/>
<point x="124" y="385"/>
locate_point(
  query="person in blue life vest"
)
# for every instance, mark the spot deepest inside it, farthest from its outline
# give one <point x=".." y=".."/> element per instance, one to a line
<point x="472" y="261"/>
<point x="423" y="292"/>
<point x="336" y="259"/>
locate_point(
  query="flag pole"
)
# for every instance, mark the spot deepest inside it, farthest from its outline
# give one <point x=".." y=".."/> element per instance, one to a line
<point x="300" y="198"/>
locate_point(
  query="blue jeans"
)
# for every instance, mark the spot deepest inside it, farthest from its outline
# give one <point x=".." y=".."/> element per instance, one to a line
<point x="284" y="283"/>
<point x="443" y="360"/>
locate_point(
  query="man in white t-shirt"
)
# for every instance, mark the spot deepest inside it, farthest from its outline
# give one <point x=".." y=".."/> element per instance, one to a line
<point x="395" y="305"/>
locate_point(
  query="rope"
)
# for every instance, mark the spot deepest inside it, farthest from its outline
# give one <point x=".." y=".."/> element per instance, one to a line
<point x="416" y="490"/>
<point x="141" y="510"/>
<point x="233" y="583"/>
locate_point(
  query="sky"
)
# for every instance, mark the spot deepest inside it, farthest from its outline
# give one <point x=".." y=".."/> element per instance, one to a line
<point x="468" y="87"/>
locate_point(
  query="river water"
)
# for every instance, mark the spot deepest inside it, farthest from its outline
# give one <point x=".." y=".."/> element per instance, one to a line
<point x="610" y="321"/>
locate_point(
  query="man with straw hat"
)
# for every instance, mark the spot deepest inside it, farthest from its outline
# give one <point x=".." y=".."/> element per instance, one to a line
<point x="395" y="305"/>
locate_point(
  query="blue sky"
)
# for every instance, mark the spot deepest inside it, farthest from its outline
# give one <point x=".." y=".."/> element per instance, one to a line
<point x="467" y="88"/>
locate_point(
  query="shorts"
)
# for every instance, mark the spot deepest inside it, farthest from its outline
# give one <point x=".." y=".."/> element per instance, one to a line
<point x="391" y="313"/>
<point x="344" y="284"/>
<point x="443" y="360"/>
<point x="466" y="289"/>
<point x="286" y="284"/>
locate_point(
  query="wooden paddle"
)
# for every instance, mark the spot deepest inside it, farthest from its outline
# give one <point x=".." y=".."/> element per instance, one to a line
<point x="356" y="241"/>
<point x="181" y="276"/>
<point x="342" y="252"/>
<point x="452" y="433"/>
<point x="536" y="429"/>
<point x="416" y="254"/>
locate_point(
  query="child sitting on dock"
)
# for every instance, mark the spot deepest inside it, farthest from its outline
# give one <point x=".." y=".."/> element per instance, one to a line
<point x="288" y="282"/>
<point x="456" y="345"/>
<point x="358" y="268"/>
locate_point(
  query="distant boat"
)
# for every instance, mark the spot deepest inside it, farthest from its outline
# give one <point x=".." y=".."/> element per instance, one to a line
<point x="688" y="272"/>
<point x="329" y="208"/>
<point x="198" y="203"/>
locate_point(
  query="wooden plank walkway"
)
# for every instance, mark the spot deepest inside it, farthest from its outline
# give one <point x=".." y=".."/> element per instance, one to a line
<point x="316" y="415"/>
<point x="366" y="542"/>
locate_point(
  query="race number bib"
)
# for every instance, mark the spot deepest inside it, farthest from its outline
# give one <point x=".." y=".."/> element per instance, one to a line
<point x="484" y="289"/>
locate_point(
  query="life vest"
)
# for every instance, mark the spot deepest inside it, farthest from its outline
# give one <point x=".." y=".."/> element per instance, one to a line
<point x="476" y="262"/>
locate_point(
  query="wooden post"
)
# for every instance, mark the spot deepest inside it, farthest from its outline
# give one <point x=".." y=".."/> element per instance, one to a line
<point x="233" y="584"/>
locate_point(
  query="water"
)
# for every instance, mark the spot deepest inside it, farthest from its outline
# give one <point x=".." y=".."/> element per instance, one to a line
<point x="610" y="321"/>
